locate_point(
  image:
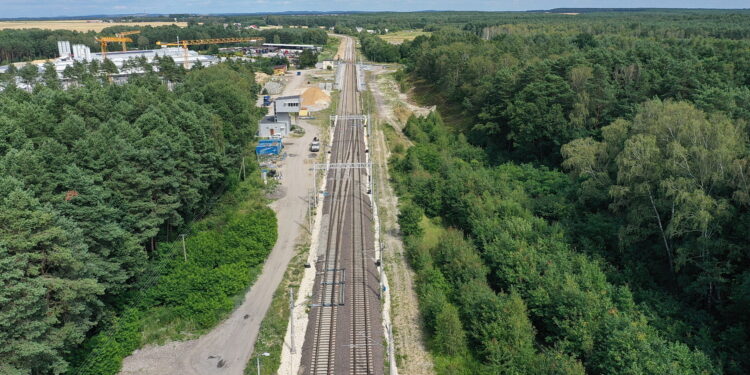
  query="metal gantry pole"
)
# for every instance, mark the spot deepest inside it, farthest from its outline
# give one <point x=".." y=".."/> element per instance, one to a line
<point x="382" y="285"/>
<point x="315" y="186"/>
<point x="309" y="212"/>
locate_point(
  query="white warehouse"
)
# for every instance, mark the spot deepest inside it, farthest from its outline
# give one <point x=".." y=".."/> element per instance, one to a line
<point x="79" y="52"/>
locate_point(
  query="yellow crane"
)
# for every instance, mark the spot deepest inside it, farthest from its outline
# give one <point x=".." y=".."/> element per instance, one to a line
<point x="185" y="43"/>
<point x="124" y="34"/>
<point x="104" y="40"/>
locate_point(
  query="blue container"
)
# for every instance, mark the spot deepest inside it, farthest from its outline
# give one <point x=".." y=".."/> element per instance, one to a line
<point x="269" y="147"/>
<point x="299" y="73"/>
<point x="270" y="142"/>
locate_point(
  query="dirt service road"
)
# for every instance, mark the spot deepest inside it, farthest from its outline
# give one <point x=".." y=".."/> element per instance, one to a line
<point x="233" y="340"/>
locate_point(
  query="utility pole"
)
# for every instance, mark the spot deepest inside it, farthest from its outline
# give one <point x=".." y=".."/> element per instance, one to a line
<point x="257" y="360"/>
<point x="243" y="168"/>
<point x="291" y="317"/>
<point x="184" y="251"/>
<point x="241" y="173"/>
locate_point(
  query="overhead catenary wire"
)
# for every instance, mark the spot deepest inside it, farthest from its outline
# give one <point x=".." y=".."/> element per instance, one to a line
<point x="346" y="345"/>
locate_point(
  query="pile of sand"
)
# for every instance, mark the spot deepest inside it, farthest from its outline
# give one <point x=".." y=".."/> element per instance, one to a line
<point x="314" y="96"/>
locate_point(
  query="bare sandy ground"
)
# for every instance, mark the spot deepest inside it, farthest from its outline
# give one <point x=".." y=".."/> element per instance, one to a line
<point x="298" y="84"/>
<point x="233" y="340"/>
<point x="342" y="46"/>
<point x="388" y="97"/>
<point x="409" y="339"/>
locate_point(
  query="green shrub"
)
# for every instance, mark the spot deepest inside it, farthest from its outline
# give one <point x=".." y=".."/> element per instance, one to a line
<point x="409" y="217"/>
<point x="506" y="281"/>
<point x="109" y="347"/>
<point x="222" y="262"/>
<point x="220" y="266"/>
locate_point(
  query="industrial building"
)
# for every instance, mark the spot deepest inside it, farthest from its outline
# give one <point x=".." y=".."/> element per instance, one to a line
<point x="279" y="70"/>
<point x="326" y="64"/>
<point x="292" y="47"/>
<point x="287" y="104"/>
<point x="69" y="54"/>
<point x="277" y="125"/>
<point x="278" y="49"/>
<point x="280" y="123"/>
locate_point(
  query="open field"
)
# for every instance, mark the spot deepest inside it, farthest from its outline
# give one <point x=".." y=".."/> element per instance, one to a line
<point x="78" y="25"/>
<point x="399" y="37"/>
<point x="330" y="50"/>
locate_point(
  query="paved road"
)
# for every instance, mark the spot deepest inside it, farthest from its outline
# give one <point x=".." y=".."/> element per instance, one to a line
<point x="234" y="339"/>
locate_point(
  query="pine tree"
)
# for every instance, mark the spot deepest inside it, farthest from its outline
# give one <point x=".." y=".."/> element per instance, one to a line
<point x="50" y="76"/>
<point x="48" y="295"/>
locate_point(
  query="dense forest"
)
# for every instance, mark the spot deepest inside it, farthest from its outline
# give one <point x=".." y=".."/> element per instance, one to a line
<point x="97" y="182"/>
<point x="30" y="44"/>
<point x="502" y="291"/>
<point x="590" y="183"/>
<point x="728" y="23"/>
<point x="579" y="206"/>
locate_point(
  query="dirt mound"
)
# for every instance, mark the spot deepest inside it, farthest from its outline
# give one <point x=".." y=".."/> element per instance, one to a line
<point x="313" y="96"/>
<point x="273" y="88"/>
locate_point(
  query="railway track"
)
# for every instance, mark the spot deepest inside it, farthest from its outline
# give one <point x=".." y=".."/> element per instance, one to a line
<point x="345" y="333"/>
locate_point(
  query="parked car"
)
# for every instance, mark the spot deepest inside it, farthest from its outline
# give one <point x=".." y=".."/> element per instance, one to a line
<point x="314" y="146"/>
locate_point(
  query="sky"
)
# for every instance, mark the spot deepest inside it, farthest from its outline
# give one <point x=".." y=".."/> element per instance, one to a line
<point x="54" y="8"/>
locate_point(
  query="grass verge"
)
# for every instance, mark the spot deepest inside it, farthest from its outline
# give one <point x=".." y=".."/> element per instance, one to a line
<point x="368" y="100"/>
<point x="427" y="94"/>
<point x="274" y="325"/>
<point x="330" y="49"/>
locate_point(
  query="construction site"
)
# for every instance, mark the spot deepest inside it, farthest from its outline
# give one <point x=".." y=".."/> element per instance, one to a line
<point x="178" y="51"/>
<point x="344" y="330"/>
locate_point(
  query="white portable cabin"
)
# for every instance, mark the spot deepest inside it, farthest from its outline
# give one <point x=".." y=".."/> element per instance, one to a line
<point x="274" y="126"/>
<point x="287" y="104"/>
